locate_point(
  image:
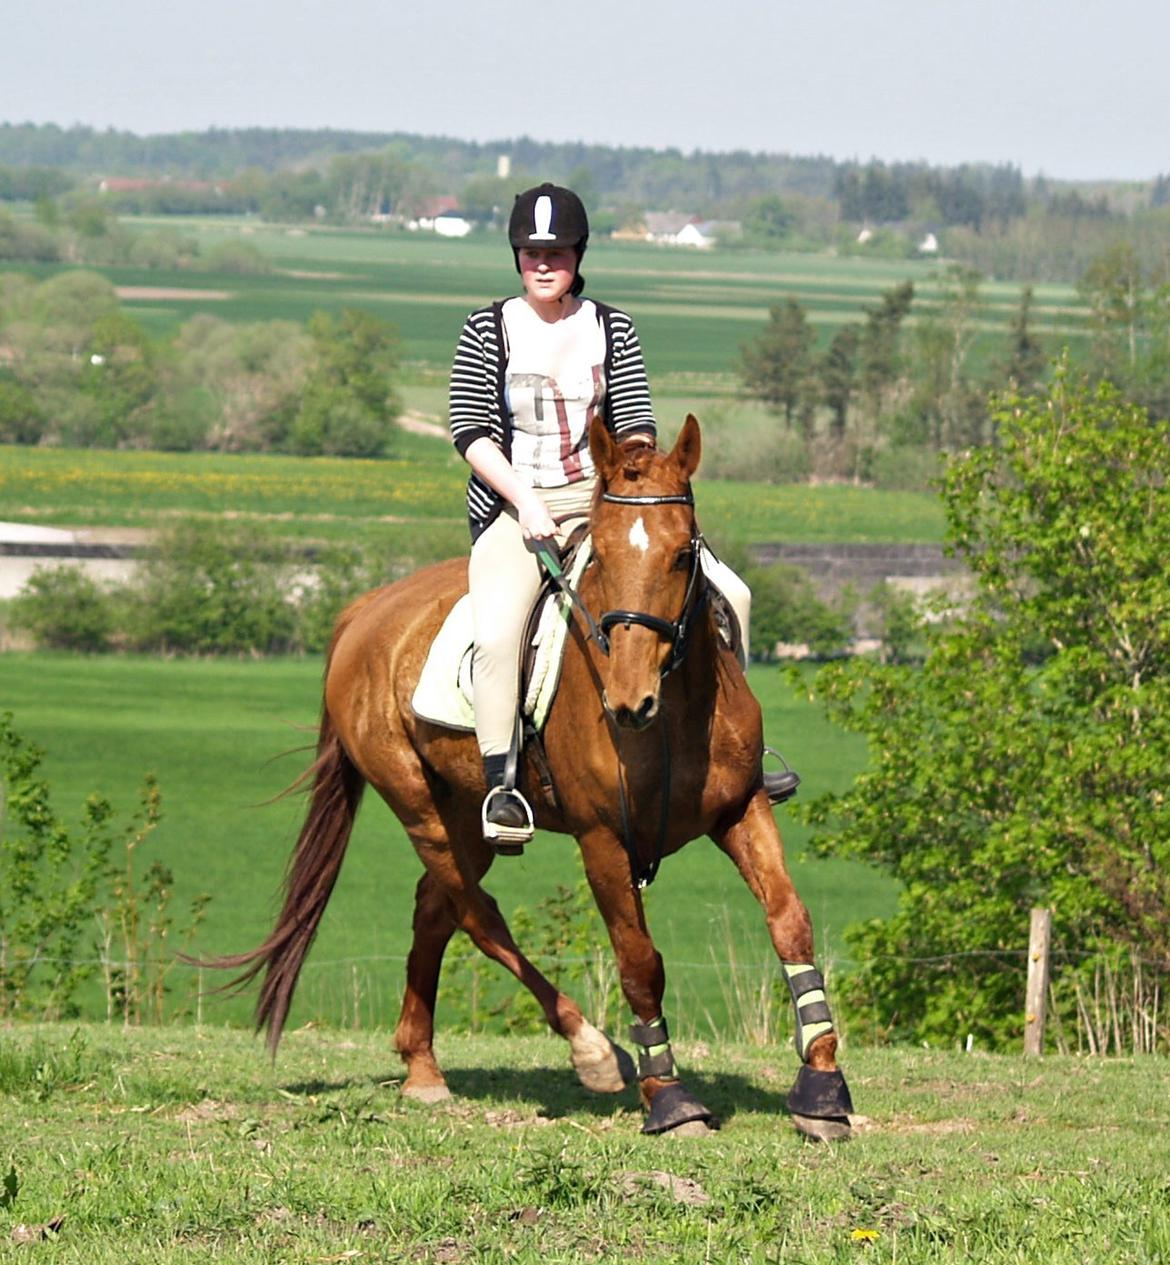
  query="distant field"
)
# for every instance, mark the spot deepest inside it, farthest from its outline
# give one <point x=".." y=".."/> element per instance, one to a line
<point x="420" y="489"/>
<point x="212" y="731"/>
<point x="694" y="310"/>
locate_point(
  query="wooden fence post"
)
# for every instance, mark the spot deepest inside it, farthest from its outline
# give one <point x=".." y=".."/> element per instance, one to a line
<point x="1036" y="1001"/>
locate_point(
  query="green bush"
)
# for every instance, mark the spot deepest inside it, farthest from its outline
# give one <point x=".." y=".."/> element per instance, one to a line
<point x="906" y="468"/>
<point x="237" y="259"/>
<point x="50" y="880"/>
<point x="21" y="420"/>
<point x="786" y="608"/>
<point x="342" y="574"/>
<point x="209" y="591"/>
<point x="64" y="609"/>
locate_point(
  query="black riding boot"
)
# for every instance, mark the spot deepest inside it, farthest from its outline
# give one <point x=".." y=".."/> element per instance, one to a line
<point x="780" y="784"/>
<point x="505" y="816"/>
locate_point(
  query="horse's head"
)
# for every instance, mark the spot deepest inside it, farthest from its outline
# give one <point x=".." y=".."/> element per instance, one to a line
<point x="646" y="549"/>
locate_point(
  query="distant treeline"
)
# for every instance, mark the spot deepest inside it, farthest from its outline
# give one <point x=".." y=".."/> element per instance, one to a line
<point x="989" y="215"/>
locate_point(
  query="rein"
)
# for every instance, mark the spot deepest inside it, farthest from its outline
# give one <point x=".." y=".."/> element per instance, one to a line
<point x="677" y="632"/>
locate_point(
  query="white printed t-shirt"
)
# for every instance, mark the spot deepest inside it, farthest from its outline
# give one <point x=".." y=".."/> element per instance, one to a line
<point x="554" y="383"/>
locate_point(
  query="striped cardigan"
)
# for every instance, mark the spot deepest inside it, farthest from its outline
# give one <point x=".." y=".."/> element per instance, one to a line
<point x="478" y="407"/>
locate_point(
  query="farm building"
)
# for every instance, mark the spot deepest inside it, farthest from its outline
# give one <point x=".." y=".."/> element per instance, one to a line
<point x="673" y="228"/>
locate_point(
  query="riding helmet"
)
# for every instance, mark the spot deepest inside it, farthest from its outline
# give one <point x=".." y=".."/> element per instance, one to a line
<point x="549" y="215"/>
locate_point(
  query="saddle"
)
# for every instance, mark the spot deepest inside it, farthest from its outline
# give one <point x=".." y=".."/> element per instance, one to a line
<point x="443" y="694"/>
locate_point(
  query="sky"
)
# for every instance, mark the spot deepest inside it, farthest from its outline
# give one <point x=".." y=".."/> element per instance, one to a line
<point x="1075" y="90"/>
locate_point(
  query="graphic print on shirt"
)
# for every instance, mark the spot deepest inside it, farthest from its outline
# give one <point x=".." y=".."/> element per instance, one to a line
<point x="552" y="439"/>
<point x="553" y="385"/>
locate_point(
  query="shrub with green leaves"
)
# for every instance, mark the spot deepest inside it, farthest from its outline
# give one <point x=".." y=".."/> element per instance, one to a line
<point x="50" y="880"/>
<point x="207" y="590"/>
<point x="64" y="609"/>
<point x="1024" y="763"/>
<point x="342" y="574"/>
<point x="787" y="608"/>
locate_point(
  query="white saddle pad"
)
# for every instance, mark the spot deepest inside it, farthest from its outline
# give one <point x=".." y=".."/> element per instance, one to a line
<point x="443" y="694"/>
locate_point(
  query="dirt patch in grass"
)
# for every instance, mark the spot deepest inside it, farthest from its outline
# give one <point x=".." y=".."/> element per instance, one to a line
<point x="169" y="292"/>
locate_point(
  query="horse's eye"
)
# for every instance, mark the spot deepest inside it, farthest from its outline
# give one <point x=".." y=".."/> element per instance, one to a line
<point x="682" y="561"/>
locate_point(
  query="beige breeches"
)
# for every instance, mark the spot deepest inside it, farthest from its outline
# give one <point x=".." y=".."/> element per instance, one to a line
<point x="504" y="578"/>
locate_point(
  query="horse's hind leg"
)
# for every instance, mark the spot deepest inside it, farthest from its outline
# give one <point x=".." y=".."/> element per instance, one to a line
<point x="819" y="1100"/>
<point x="414" y="1037"/>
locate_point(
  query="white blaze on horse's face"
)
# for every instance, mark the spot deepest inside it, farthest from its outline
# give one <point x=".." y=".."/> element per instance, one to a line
<point x="639" y="537"/>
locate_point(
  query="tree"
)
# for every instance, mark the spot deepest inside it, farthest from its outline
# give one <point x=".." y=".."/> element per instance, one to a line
<point x="235" y="387"/>
<point x="776" y="366"/>
<point x="769" y="217"/>
<point x="948" y="402"/>
<point x="786" y="608"/>
<point x="838" y="376"/>
<point x="1024" y="762"/>
<point x="1026" y="363"/>
<point x="881" y="356"/>
<point x="119" y="378"/>
<point x="349" y="404"/>
<point x="1113" y="286"/>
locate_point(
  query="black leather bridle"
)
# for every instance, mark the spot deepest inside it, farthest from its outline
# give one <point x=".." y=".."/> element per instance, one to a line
<point x="678" y="633"/>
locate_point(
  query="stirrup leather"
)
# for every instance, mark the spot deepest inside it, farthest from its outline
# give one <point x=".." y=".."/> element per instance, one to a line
<point x="497" y="833"/>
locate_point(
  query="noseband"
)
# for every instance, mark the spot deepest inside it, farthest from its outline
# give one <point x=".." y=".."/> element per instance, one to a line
<point x="676" y="632"/>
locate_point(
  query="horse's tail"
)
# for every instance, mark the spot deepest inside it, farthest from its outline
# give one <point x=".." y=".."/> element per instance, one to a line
<point x="312" y="871"/>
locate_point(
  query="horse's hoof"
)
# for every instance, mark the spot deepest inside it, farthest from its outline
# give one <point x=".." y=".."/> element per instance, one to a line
<point x="674" y="1109"/>
<point x="601" y="1066"/>
<point x="426" y="1093"/>
<point x="823" y="1128"/>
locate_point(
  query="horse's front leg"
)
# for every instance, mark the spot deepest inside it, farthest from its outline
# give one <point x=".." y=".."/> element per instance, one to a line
<point x="670" y="1105"/>
<point x="819" y="1100"/>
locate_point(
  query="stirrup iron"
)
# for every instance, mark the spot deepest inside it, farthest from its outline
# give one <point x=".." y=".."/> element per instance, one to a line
<point x="508" y="840"/>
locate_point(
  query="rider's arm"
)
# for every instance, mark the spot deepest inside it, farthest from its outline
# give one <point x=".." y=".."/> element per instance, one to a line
<point x="496" y="471"/>
<point x="629" y="390"/>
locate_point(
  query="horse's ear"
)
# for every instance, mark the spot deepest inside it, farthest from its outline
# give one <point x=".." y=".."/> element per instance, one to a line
<point x="688" y="448"/>
<point x="604" y="451"/>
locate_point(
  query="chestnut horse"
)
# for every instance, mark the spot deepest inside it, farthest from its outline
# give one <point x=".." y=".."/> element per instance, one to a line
<point x="652" y="740"/>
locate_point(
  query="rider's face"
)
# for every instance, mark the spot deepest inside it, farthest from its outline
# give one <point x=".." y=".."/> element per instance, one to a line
<point x="547" y="272"/>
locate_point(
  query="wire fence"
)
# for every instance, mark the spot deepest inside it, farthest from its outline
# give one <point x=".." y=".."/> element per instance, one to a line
<point x="1110" y="1003"/>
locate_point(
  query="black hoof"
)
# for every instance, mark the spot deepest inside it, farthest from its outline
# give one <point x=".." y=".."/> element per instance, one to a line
<point x="822" y="1095"/>
<point x="675" y="1105"/>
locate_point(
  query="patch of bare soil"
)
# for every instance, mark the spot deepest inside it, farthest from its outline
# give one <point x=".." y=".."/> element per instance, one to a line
<point x="168" y="292"/>
<point x="422" y="424"/>
<point x="307" y="274"/>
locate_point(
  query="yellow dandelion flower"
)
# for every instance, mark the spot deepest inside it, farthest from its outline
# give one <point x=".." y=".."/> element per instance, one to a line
<point x="864" y="1236"/>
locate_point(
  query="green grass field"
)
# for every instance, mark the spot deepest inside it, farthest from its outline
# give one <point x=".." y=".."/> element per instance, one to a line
<point x="694" y="310"/>
<point x="185" y="1146"/>
<point x="419" y="490"/>
<point x="212" y="732"/>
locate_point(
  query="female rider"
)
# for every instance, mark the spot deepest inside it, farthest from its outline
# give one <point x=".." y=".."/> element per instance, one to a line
<point x="529" y="374"/>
